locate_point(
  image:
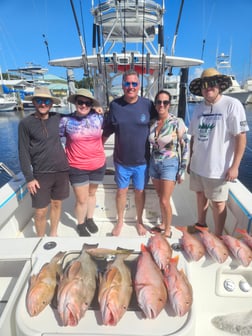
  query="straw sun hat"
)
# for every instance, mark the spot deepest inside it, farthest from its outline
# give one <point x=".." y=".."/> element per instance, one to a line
<point x="84" y="93"/>
<point x="223" y="81"/>
<point x="43" y="92"/>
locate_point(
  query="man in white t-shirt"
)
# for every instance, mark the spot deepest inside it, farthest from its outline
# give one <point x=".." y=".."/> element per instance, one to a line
<point x="218" y="140"/>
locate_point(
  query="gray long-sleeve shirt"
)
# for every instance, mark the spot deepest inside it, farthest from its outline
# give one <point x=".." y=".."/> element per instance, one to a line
<point x="40" y="148"/>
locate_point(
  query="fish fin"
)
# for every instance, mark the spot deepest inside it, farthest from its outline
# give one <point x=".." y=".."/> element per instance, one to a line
<point x="73" y="269"/>
<point x="33" y="280"/>
<point x="113" y="274"/>
<point x="181" y="228"/>
<point x="243" y="232"/>
<point x="144" y="248"/>
<point x="124" y="250"/>
<point x="174" y="260"/>
<point x="86" y="246"/>
<point x="202" y="229"/>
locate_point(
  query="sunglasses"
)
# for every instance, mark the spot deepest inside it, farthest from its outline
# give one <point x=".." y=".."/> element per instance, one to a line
<point x="46" y="101"/>
<point x="209" y="83"/>
<point x="82" y="102"/>
<point x="165" y="102"/>
<point x="127" y="84"/>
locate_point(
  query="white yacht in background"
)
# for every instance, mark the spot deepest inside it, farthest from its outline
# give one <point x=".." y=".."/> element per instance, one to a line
<point x="172" y="84"/>
<point x="223" y="65"/>
<point x="8" y="102"/>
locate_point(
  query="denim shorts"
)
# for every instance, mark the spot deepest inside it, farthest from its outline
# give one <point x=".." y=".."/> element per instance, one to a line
<point x="138" y="174"/>
<point x="80" y="177"/>
<point x="166" y="169"/>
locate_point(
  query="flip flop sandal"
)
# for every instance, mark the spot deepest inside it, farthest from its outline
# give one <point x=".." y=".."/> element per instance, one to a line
<point x="156" y="229"/>
<point x="168" y="236"/>
<point x="196" y="228"/>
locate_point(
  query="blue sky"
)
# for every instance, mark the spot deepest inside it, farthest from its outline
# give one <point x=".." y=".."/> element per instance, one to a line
<point x="223" y="24"/>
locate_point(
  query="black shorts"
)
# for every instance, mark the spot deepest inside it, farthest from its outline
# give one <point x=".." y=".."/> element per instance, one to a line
<point x="53" y="186"/>
<point x="80" y="177"/>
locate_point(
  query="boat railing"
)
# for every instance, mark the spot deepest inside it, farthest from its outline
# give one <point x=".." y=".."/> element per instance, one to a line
<point x="7" y="170"/>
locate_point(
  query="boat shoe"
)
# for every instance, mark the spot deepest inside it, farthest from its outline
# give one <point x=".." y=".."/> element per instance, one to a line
<point x="91" y="226"/>
<point x="196" y="228"/>
<point x="82" y="230"/>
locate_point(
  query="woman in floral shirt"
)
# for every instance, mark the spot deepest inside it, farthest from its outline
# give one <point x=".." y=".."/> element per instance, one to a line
<point x="169" y="142"/>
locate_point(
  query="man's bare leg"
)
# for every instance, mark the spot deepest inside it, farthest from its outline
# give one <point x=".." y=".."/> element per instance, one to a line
<point x="55" y="213"/>
<point x="140" y="201"/>
<point x="40" y="221"/>
<point x="202" y="206"/>
<point x="121" y="198"/>
<point x="219" y="215"/>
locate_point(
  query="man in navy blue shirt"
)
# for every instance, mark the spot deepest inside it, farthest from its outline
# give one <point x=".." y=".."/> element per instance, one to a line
<point x="129" y="119"/>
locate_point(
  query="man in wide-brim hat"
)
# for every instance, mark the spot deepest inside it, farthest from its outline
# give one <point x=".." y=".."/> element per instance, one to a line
<point x="209" y="77"/>
<point x="43" y="160"/>
<point x="44" y="93"/>
<point x="218" y="139"/>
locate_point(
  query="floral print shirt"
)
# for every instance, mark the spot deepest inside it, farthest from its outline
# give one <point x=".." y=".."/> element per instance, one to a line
<point x="170" y="141"/>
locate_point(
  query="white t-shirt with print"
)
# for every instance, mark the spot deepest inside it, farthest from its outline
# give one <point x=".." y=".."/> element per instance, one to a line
<point x="214" y="128"/>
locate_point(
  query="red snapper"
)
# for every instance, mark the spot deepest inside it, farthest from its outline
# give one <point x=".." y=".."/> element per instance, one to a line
<point x="76" y="289"/>
<point x="115" y="291"/>
<point x="179" y="289"/>
<point x="150" y="289"/>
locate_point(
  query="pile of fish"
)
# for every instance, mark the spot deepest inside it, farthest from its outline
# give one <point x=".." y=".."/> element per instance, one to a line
<point x="70" y="285"/>
<point x="218" y="248"/>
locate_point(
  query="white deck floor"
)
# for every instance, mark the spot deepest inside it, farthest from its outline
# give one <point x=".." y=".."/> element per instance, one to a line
<point x="184" y="211"/>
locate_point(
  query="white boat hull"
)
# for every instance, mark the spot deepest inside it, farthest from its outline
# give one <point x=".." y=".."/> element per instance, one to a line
<point x="22" y="253"/>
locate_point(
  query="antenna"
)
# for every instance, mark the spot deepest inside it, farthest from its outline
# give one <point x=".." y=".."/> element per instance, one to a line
<point x="47" y="47"/>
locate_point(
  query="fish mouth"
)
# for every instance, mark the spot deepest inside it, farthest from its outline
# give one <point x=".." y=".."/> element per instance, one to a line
<point x="70" y="317"/>
<point x="110" y="317"/>
<point x="149" y="312"/>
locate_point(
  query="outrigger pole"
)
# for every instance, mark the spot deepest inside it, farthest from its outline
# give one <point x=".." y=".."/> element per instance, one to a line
<point x="176" y="30"/>
<point x="184" y="72"/>
<point x="83" y="49"/>
<point x="47" y="47"/>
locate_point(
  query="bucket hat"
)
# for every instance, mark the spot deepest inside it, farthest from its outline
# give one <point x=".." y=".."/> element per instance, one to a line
<point x="43" y="92"/>
<point x="223" y="81"/>
<point x="84" y="93"/>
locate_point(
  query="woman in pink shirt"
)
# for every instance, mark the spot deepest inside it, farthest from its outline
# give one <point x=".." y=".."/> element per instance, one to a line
<point x="85" y="152"/>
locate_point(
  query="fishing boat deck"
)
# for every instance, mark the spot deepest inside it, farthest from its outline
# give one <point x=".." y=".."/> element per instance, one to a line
<point x="184" y="212"/>
<point x="23" y="254"/>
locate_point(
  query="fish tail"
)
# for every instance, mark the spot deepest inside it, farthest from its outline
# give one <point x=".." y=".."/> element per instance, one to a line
<point x="173" y="261"/>
<point x="202" y="228"/>
<point x="181" y="228"/>
<point x="243" y="232"/>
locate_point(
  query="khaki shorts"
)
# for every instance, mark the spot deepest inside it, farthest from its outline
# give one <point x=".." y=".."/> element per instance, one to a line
<point x="214" y="189"/>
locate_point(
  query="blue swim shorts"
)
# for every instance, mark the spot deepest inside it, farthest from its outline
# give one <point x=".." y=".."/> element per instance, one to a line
<point x="138" y="174"/>
<point x="166" y="169"/>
